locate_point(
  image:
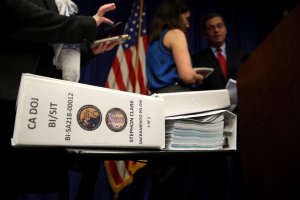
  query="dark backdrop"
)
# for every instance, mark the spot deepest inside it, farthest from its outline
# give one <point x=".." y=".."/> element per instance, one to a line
<point x="248" y="23"/>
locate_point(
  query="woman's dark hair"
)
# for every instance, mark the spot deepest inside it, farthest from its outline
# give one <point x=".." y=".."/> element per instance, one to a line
<point x="168" y="16"/>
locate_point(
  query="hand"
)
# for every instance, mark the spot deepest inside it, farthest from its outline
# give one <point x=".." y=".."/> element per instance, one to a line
<point x="99" y="16"/>
<point x="198" y="78"/>
<point x="104" y="46"/>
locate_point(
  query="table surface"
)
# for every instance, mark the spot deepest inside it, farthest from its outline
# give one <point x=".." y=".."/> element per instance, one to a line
<point x="144" y="153"/>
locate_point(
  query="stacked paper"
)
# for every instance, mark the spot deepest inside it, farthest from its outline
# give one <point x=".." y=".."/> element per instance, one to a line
<point x="202" y="131"/>
<point x="199" y="120"/>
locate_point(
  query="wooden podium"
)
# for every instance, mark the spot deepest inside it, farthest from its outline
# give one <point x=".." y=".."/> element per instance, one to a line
<point x="268" y="86"/>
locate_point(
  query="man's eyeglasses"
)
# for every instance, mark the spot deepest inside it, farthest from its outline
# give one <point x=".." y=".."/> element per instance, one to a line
<point x="214" y="27"/>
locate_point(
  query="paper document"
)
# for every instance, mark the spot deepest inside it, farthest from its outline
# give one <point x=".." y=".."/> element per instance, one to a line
<point x="211" y="130"/>
<point x="231" y="87"/>
<point x="205" y="71"/>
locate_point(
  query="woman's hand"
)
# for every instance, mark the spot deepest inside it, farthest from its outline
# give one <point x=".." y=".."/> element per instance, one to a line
<point x="198" y="78"/>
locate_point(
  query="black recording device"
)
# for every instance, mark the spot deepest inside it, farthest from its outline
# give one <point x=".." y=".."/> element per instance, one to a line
<point x="112" y="34"/>
<point x="110" y="31"/>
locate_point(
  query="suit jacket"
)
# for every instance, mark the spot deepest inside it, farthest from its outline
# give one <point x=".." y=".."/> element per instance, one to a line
<point x="216" y="80"/>
<point x="29" y="29"/>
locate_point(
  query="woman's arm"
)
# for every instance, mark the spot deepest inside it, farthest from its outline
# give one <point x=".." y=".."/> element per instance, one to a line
<point x="176" y="41"/>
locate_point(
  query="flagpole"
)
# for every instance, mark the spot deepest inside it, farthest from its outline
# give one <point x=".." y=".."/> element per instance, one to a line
<point x="139" y="34"/>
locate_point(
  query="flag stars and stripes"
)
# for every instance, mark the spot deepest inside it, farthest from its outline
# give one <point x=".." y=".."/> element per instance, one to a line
<point x="128" y="70"/>
<point x="128" y="74"/>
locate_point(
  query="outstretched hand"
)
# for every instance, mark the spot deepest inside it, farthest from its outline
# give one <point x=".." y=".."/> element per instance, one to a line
<point x="99" y="16"/>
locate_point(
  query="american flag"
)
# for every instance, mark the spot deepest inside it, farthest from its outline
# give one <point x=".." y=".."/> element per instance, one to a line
<point x="128" y="74"/>
<point x="128" y="69"/>
<point x="120" y="172"/>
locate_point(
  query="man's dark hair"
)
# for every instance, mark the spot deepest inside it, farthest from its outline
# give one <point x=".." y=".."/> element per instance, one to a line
<point x="210" y="16"/>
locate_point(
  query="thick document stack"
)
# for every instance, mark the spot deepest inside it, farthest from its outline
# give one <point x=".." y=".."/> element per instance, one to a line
<point x="52" y="112"/>
<point x="212" y="130"/>
<point x="199" y="120"/>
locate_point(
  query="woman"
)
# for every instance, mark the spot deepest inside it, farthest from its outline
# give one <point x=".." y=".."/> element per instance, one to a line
<point x="169" y="69"/>
<point x="168" y="62"/>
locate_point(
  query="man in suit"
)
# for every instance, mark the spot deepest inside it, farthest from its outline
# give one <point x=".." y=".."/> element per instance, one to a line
<point x="213" y="175"/>
<point x="29" y="28"/>
<point x="215" y="32"/>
